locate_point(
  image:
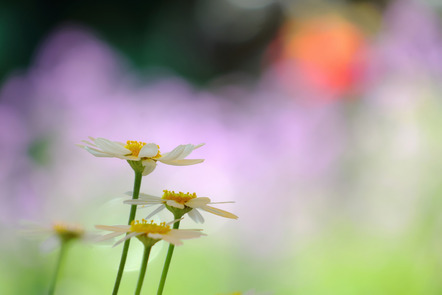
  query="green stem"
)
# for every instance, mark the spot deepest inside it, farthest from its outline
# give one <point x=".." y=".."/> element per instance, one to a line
<point x="60" y="259"/>
<point x="176" y="225"/>
<point x="133" y="211"/>
<point x="143" y="269"/>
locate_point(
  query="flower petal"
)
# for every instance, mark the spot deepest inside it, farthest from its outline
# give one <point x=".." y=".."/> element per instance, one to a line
<point x="96" y="152"/>
<point x="149" y="166"/>
<point x="144" y="199"/>
<point x="183" y="162"/>
<point x="227" y="202"/>
<point x="89" y="143"/>
<point x="172" y="203"/>
<point x="174" y="221"/>
<point x="171" y="239"/>
<point x="198" y="202"/>
<point x="219" y="212"/>
<point x="155" y="236"/>
<point x="188" y="148"/>
<point x="148" y="151"/>
<point x="150" y="198"/>
<point x="174" y="154"/>
<point x="196" y="216"/>
<point x="108" y="236"/>
<point x="155" y="211"/>
<point x="128" y="236"/>
<point x="111" y="147"/>
<point x="142" y="195"/>
<point x="185" y="234"/>
<point x="138" y="202"/>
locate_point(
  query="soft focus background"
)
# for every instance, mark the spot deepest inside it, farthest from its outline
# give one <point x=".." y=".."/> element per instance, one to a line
<point x="321" y="121"/>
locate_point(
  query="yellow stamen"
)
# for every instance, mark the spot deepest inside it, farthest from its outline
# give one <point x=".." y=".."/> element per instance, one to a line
<point x="180" y="197"/>
<point x="61" y="228"/>
<point x="67" y="231"/>
<point x="144" y="227"/>
<point x="136" y="146"/>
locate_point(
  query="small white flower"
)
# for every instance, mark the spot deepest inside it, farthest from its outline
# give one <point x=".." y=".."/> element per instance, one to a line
<point x="149" y="233"/>
<point x="147" y="153"/>
<point x="57" y="233"/>
<point x="181" y="201"/>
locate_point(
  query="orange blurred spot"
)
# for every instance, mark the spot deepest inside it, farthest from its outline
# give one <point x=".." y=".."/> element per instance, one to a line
<point x="328" y="52"/>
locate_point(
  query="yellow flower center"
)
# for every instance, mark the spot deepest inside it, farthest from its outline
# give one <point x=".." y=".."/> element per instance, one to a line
<point x="62" y="228"/>
<point x="136" y="146"/>
<point x="149" y="228"/>
<point x="180" y="197"/>
<point x="67" y="231"/>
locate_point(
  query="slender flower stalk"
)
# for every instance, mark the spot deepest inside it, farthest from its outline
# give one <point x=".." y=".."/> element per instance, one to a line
<point x="60" y="259"/>
<point x="143" y="269"/>
<point x="64" y="233"/>
<point x="176" y="225"/>
<point x="143" y="158"/>
<point x="133" y="211"/>
<point x="179" y="204"/>
<point x="149" y="234"/>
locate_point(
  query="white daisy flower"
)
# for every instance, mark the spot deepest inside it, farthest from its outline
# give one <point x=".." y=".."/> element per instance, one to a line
<point x="181" y="203"/>
<point x="58" y="233"/>
<point x="149" y="233"/>
<point x="146" y="153"/>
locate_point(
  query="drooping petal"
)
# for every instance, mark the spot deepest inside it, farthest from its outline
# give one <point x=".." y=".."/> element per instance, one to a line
<point x="219" y="212"/>
<point x="196" y="216"/>
<point x="149" y="166"/>
<point x="128" y="236"/>
<point x="174" y="221"/>
<point x="155" y="211"/>
<point x="183" y="162"/>
<point x="148" y="151"/>
<point x="198" y="202"/>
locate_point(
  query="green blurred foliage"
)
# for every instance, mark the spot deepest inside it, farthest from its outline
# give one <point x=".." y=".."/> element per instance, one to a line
<point x="149" y="34"/>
